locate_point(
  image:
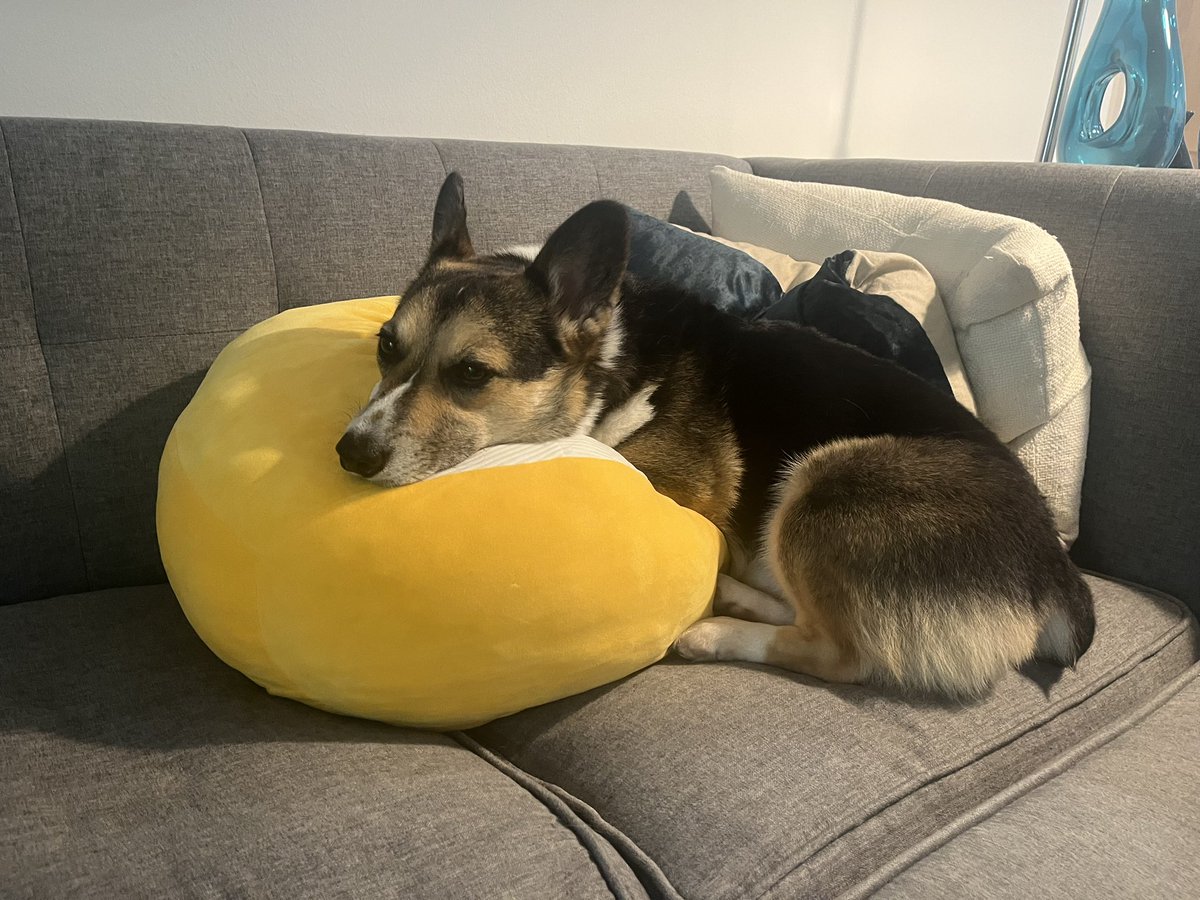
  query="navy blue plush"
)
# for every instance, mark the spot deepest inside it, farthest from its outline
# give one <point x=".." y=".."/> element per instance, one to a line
<point x="872" y="322"/>
<point x="736" y="282"/>
<point x="725" y="277"/>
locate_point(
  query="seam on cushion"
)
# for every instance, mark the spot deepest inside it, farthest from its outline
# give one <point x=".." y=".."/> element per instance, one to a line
<point x="986" y="747"/>
<point x="1184" y="610"/>
<point x="581" y="820"/>
<point x="37" y="326"/>
<point x="441" y="158"/>
<point x="596" y="171"/>
<point x="1008" y="312"/>
<point x="480" y="240"/>
<point x="262" y="202"/>
<point x="1052" y="414"/>
<point x="1060" y="765"/>
<point x="1087" y="268"/>
<point x="928" y="181"/>
<point x="985" y="252"/>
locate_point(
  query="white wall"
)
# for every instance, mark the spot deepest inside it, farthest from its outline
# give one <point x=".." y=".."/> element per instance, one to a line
<point x="964" y="79"/>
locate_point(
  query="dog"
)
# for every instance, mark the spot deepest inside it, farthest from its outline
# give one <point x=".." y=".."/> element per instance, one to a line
<point x="888" y="536"/>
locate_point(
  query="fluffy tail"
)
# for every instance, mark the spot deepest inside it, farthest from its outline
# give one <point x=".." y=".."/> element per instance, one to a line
<point x="933" y="560"/>
<point x="1069" y="628"/>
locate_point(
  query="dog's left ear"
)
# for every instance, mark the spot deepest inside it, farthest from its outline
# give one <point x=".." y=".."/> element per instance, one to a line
<point x="582" y="264"/>
<point x="450" y="239"/>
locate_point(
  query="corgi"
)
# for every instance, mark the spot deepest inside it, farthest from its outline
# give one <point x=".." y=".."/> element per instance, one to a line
<point x="887" y="536"/>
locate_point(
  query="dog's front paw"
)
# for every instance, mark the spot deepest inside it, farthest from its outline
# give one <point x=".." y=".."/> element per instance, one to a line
<point x="699" y="643"/>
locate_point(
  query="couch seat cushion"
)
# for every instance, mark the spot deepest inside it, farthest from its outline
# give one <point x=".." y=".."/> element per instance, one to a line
<point x="135" y="764"/>
<point x="741" y="781"/>
<point x="1114" y="818"/>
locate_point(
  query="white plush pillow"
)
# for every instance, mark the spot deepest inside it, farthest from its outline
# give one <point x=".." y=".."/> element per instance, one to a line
<point x="1007" y="287"/>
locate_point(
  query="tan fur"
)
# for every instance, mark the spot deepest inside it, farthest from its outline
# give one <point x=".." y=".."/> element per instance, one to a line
<point x="962" y="651"/>
<point x="694" y="459"/>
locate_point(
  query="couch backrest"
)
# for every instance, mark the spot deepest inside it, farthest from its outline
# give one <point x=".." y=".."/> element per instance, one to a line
<point x="130" y="254"/>
<point x="1133" y="238"/>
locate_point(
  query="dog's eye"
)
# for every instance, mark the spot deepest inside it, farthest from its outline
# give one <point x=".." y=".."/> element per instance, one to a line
<point x="471" y="374"/>
<point x="387" y="346"/>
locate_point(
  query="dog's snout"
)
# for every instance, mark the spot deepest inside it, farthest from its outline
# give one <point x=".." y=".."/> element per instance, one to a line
<point x="361" y="455"/>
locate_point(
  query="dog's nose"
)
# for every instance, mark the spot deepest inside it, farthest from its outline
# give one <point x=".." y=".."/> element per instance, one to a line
<point x="361" y="456"/>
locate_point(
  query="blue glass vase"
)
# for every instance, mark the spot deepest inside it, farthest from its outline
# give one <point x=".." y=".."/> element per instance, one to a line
<point x="1139" y="39"/>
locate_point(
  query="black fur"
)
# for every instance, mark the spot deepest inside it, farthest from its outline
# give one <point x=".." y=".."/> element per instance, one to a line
<point x="788" y="389"/>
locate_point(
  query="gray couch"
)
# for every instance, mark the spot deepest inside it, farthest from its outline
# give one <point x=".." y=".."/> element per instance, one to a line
<point x="135" y="764"/>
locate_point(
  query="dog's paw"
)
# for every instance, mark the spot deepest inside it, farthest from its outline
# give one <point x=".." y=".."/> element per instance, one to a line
<point x="741" y="601"/>
<point x="726" y="600"/>
<point x="699" y="643"/>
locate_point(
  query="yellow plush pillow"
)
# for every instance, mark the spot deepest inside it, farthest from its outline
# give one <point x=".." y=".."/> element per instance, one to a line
<point x="442" y="604"/>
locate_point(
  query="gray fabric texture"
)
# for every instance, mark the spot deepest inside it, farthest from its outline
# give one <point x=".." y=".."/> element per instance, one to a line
<point x="796" y="788"/>
<point x="117" y="401"/>
<point x="1130" y="235"/>
<point x="17" y="325"/>
<point x="134" y="764"/>
<point x="147" y="251"/>
<point x="38" y="528"/>
<point x="900" y="176"/>
<point x="1119" y="821"/>
<point x="150" y="246"/>
<point x="348" y="217"/>
<point x="134" y="230"/>
<point x="1065" y="200"/>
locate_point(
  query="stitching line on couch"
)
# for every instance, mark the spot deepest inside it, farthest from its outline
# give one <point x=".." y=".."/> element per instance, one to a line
<point x="477" y="232"/>
<point x="1087" y="268"/>
<point x="1056" y="767"/>
<point x="984" y="748"/>
<point x="596" y="170"/>
<point x="262" y="202"/>
<point x="581" y="820"/>
<point x="928" y="181"/>
<point x="62" y="442"/>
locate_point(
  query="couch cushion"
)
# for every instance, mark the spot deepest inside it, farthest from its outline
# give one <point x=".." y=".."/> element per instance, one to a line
<point x="1117" y="818"/>
<point x="742" y="781"/>
<point x="136" y="764"/>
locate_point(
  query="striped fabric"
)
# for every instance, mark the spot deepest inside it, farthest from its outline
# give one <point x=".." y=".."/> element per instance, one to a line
<point x="578" y="447"/>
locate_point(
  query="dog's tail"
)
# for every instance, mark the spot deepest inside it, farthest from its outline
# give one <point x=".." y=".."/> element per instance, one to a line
<point x="1070" y="625"/>
<point x="933" y="560"/>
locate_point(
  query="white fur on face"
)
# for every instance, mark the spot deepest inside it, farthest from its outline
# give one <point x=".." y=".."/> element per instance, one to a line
<point x="376" y="420"/>
<point x="622" y="421"/>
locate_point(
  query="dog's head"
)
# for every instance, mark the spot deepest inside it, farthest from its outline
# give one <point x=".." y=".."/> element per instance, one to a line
<point x="486" y="350"/>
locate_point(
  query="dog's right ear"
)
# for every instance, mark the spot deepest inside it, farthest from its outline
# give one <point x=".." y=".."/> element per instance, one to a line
<point x="450" y="238"/>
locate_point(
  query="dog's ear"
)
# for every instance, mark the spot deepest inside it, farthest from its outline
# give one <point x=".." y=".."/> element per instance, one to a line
<point x="450" y="237"/>
<point x="581" y="266"/>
